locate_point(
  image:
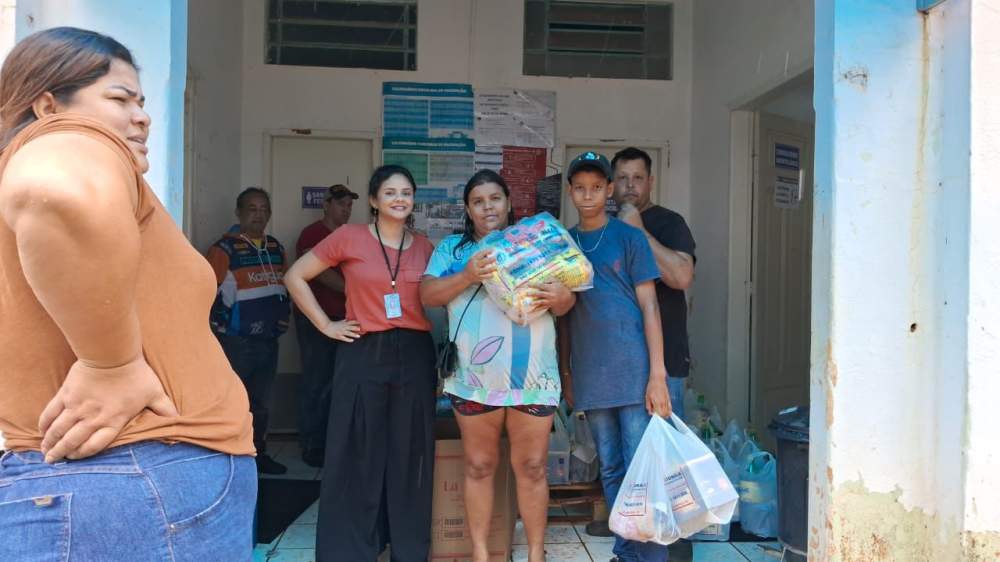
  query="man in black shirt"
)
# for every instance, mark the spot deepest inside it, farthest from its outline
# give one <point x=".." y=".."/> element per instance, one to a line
<point x="673" y="247"/>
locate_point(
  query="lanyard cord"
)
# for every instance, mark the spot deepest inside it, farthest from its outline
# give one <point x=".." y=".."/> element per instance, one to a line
<point x="270" y="266"/>
<point x="399" y="255"/>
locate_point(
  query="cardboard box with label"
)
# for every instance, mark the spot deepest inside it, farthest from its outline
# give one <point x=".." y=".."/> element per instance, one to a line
<point x="450" y="540"/>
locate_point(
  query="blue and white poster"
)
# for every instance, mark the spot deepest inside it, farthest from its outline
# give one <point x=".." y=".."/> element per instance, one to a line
<point x="421" y="110"/>
<point x="440" y="167"/>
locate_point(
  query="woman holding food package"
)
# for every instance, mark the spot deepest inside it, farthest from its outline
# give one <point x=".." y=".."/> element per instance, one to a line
<point x="506" y="375"/>
<point x="380" y="446"/>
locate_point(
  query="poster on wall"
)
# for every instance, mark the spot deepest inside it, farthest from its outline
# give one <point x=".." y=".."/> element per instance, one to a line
<point x="440" y="167"/>
<point x="489" y="157"/>
<point x="523" y="167"/>
<point x="419" y="110"/>
<point x="509" y="117"/>
<point x="787" y="192"/>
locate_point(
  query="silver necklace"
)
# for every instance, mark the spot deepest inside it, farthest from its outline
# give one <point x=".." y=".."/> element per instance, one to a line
<point x="599" y="239"/>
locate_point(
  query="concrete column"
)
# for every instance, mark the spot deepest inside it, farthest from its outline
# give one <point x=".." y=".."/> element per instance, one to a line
<point x="981" y="538"/>
<point x="156" y="32"/>
<point x="904" y="353"/>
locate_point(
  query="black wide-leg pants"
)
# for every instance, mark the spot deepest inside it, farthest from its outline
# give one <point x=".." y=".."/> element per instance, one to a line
<point x="380" y="450"/>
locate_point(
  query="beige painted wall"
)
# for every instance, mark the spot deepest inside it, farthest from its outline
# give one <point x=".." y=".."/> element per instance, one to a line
<point x="469" y="41"/>
<point x="741" y="51"/>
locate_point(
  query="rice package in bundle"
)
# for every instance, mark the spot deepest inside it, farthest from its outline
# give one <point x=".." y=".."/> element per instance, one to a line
<point x="535" y="250"/>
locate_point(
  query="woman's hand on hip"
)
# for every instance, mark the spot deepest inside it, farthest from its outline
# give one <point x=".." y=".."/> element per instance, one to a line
<point x="343" y="330"/>
<point x="94" y="404"/>
<point x="480" y="266"/>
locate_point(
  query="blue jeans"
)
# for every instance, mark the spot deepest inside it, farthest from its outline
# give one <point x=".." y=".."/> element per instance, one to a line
<point x="146" y="501"/>
<point x="676" y="387"/>
<point x="617" y="432"/>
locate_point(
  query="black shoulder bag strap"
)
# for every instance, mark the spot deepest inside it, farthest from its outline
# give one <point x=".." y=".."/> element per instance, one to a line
<point x="448" y="358"/>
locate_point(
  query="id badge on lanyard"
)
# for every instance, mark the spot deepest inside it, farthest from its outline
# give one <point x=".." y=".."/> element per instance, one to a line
<point x="393" y="306"/>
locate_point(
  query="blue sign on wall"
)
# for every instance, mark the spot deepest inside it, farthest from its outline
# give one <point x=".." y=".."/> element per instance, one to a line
<point x="312" y="196"/>
<point x="786" y="156"/>
<point x="925" y="5"/>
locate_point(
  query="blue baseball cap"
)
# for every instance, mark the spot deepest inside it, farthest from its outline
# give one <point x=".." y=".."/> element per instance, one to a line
<point x="589" y="160"/>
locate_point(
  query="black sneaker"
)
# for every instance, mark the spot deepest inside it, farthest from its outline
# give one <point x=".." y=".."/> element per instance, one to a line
<point x="267" y="465"/>
<point x="314" y="457"/>
<point x="599" y="529"/>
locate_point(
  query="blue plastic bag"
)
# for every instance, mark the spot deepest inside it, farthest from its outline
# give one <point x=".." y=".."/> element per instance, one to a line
<point x="759" y="495"/>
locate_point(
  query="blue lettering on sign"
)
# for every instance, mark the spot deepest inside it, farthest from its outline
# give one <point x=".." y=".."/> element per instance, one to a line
<point x="786" y="156"/>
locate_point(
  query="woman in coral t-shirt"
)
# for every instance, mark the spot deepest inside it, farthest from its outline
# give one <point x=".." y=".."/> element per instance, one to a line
<point x="380" y="449"/>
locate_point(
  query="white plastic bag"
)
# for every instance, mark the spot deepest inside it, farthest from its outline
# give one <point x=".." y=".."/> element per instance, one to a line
<point x="583" y="462"/>
<point x="557" y="469"/>
<point x="534" y="250"/>
<point x="759" y="495"/>
<point x="734" y="450"/>
<point x="690" y="405"/>
<point x="674" y="487"/>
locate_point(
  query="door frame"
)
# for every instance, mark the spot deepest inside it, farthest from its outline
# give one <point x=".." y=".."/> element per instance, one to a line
<point x="742" y="174"/>
<point x="557" y="156"/>
<point x="271" y="135"/>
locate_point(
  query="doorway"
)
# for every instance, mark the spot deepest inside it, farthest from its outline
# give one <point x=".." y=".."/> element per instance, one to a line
<point x="298" y="162"/>
<point x="781" y="268"/>
<point x="568" y="215"/>
<point x="770" y="254"/>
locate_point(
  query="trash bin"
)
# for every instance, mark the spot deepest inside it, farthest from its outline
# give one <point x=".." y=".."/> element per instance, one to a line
<point x="791" y="428"/>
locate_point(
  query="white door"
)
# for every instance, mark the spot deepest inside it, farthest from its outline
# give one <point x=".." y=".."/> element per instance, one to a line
<point x="568" y="215"/>
<point x="781" y="269"/>
<point x="297" y="162"/>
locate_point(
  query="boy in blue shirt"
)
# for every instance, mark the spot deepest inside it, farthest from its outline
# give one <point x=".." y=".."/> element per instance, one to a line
<point x="612" y="340"/>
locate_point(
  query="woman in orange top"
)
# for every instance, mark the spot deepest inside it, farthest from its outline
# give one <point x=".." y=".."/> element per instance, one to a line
<point x="128" y="433"/>
<point x="380" y="445"/>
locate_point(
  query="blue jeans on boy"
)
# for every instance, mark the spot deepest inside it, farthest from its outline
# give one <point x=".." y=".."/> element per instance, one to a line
<point x="617" y="432"/>
<point x="145" y="501"/>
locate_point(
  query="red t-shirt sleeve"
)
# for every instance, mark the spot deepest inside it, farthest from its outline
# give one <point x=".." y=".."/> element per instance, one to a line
<point x="332" y="249"/>
<point x="301" y="244"/>
<point x="426" y="249"/>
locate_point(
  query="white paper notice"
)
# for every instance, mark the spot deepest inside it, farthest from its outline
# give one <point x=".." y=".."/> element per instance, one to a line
<point x="516" y="118"/>
<point x="786" y="192"/>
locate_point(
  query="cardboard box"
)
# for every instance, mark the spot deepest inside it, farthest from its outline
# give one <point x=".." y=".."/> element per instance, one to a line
<point x="450" y="540"/>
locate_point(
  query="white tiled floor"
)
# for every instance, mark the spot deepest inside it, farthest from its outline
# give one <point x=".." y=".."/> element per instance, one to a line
<point x="564" y="542"/>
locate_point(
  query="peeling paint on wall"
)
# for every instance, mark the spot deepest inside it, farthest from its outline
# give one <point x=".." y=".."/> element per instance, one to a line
<point x="875" y="527"/>
<point x="831" y="382"/>
<point x="857" y="76"/>
<point x="870" y="526"/>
